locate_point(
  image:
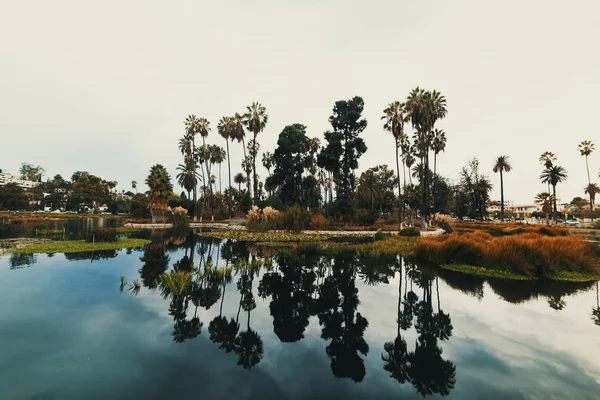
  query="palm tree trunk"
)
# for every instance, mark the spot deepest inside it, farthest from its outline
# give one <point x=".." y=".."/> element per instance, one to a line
<point x="248" y="182"/>
<point x="501" y="196"/>
<point x="587" y="166"/>
<point x="229" y="173"/>
<point x="434" y="176"/>
<point x="399" y="189"/>
<point x="220" y="185"/>
<point x="554" y="193"/>
<point x="195" y="217"/>
<point x="256" y="199"/>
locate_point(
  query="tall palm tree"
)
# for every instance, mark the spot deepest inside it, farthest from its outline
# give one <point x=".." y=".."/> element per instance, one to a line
<point x="134" y="185"/>
<point x="554" y="175"/>
<point x="225" y="129"/>
<point x="268" y="161"/>
<point x="438" y="144"/>
<point x="395" y="117"/>
<point x="586" y="148"/>
<point x="256" y="119"/>
<point x="161" y="189"/>
<point x="545" y="200"/>
<point x="218" y="156"/>
<point x="187" y="176"/>
<point x="239" y="134"/>
<point x="192" y="128"/>
<point x="239" y="178"/>
<point x="547" y="159"/>
<point x="425" y="108"/>
<point x="502" y="164"/>
<point x="592" y="189"/>
<point x="203" y="130"/>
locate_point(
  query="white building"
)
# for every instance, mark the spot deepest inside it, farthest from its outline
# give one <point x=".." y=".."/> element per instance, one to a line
<point x="6" y="178"/>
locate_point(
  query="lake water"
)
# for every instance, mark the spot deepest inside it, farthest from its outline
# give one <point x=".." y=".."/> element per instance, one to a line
<point x="304" y="327"/>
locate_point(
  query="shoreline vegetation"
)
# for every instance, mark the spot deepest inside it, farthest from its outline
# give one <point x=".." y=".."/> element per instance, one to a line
<point x="75" y="246"/>
<point x="506" y="251"/>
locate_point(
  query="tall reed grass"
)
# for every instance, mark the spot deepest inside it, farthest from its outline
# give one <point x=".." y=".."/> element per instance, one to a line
<point x="529" y="254"/>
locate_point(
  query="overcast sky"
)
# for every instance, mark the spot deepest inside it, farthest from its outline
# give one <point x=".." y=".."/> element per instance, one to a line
<point x="105" y="86"/>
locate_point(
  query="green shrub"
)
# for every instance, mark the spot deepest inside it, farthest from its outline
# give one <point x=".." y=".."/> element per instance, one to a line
<point x="180" y="218"/>
<point x="381" y="236"/>
<point x="444" y="225"/>
<point x="409" y="231"/>
<point x="101" y="235"/>
<point x="366" y="217"/>
<point x="296" y="219"/>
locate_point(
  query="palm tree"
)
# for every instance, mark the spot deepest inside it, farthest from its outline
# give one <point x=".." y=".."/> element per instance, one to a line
<point x="225" y="129"/>
<point x="545" y="200"/>
<point x="187" y="176"/>
<point x="547" y="159"/>
<point x="239" y="178"/>
<point x="424" y="109"/>
<point x="203" y="130"/>
<point x="187" y="146"/>
<point x="134" y="185"/>
<point x="395" y="117"/>
<point x="239" y="134"/>
<point x="438" y="144"/>
<point x="554" y="175"/>
<point x="502" y="164"/>
<point x="586" y="148"/>
<point x="256" y="119"/>
<point x="268" y="161"/>
<point x="161" y="189"/>
<point x="592" y="189"/>
<point x="218" y="156"/>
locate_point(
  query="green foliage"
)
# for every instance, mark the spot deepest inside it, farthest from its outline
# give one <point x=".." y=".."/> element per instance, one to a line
<point x="291" y="158"/>
<point x="366" y="217"/>
<point x="381" y="236"/>
<point x="139" y="206"/>
<point x="31" y="173"/>
<point x="444" y="225"/>
<point x="473" y="192"/>
<point x="12" y="197"/>
<point x="296" y="219"/>
<point x="409" y="231"/>
<point x="344" y="148"/>
<point x="100" y="235"/>
<point x="75" y="246"/>
<point x="92" y="190"/>
<point x="180" y="218"/>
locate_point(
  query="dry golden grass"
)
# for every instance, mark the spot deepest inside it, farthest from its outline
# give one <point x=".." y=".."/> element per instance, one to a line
<point x="528" y="254"/>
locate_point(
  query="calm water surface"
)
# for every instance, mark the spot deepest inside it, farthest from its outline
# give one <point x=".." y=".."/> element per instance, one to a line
<point x="302" y="327"/>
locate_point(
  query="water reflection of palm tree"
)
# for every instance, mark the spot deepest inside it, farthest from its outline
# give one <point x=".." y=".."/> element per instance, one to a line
<point x="424" y="367"/>
<point x="156" y="261"/>
<point x="556" y="302"/>
<point x="596" y="311"/>
<point x="247" y="345"/>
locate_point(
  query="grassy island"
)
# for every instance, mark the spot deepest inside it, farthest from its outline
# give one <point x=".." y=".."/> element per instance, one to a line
<point x="74" y="246"/>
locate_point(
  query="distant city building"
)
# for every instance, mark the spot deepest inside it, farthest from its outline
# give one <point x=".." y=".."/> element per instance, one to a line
<point x="6" y="178"/>
<point x="520" y="210"/>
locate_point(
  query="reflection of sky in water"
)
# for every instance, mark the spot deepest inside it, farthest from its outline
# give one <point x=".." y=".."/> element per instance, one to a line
<point x="67" y="332"/>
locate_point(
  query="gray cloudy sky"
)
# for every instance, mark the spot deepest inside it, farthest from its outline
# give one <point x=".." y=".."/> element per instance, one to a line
<point x="105" y="86"/>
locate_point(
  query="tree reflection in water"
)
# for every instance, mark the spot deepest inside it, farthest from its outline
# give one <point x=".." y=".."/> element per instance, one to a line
<point x="336" y="307"/>
<point x="301" y="285"/>
<point x="596" y="311"/>
<point x="424" y="367"/>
